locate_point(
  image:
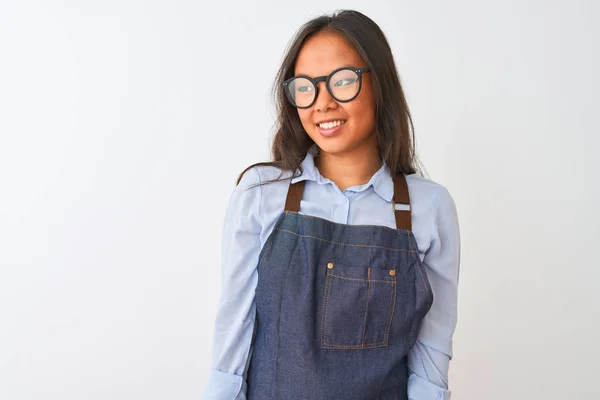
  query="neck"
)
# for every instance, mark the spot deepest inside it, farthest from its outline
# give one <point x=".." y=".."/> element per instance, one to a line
<point x="349" y="169"/>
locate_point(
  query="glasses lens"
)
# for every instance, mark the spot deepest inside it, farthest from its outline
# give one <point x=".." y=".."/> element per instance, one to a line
<point x="344" y="84"/>
<point x="301" y="92"/>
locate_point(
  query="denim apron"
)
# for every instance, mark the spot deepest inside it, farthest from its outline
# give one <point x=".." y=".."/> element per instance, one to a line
<point x="338" y="306"/>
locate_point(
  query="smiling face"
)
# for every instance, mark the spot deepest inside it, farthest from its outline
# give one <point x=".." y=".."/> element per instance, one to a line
<point x="336" y="127"/>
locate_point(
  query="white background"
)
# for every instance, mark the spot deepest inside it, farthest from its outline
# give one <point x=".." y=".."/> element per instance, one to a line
<point x="124" y="124"/>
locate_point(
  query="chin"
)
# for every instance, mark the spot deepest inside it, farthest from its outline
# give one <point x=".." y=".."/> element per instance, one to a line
<point x="339" y="145"/>
<point x="332" y="146"/>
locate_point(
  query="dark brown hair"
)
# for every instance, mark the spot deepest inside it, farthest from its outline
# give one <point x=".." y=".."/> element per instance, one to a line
<point x="393" y="122"/>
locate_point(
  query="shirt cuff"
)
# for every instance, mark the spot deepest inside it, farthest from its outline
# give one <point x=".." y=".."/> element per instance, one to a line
<point x="224" y="386"/>
<point x="422" y="389"/>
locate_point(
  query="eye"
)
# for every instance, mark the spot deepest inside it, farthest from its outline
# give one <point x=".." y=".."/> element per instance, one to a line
<point x="344" y="82"/>
<point x="304" y="89"/>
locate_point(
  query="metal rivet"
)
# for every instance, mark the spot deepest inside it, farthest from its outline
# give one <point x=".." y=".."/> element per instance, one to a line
<point x="392" y="272"/>
<point x="330" y="266"/>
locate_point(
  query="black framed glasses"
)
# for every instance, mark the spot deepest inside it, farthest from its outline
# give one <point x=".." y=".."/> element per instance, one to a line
<point x="343" y="85"/>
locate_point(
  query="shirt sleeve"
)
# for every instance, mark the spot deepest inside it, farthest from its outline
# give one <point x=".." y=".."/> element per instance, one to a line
<point x="234" y="325"/>
<point x="428" y="360"/>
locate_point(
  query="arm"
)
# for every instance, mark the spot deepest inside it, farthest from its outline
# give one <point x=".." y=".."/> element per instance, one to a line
<point x="236" y="313"/>
<point x="428" y="360"/>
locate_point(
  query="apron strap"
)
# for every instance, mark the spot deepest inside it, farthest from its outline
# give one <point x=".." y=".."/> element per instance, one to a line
<point x="401" y="197"/>
<point x="294" y="195"/>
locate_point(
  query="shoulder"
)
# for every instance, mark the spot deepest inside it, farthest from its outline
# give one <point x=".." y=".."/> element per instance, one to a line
<point x="261" y="175"/>
<point x="428" y="193"/>
<point x="259" y="200"/>
<point x="434" y="214"/>
<point x="263" y="183"/>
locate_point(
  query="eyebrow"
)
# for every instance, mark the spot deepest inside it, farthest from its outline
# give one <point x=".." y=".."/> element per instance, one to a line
<point x="343" y="66"/>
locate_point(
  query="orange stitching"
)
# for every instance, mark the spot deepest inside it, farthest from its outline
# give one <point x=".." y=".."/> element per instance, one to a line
<point x="424" y="282"/>
<point x="343" y="244"/>
<point x="419" y="265"/>
<point x="412" y="242"/>
<point x="337" y="223"/>
<point x="414" y="254"/>
<point x="364" y="345"/>
<point x="387" y="320"/>
<point x="355" y="347"/>
<point x="264" y="254"/>
<point x="367" y="307"/>
<point x="361" y="280"/>
<point x="391" y="309"/>
<point x="326" y="309"/>
<point x="323" y="308"/>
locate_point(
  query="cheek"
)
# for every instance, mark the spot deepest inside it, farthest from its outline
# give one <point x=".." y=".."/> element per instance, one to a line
<point x="363" y="115"/>
<point x="304" y="116"/>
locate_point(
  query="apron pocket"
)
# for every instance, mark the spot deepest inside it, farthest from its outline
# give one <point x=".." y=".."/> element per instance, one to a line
<point x="358" y="307"/>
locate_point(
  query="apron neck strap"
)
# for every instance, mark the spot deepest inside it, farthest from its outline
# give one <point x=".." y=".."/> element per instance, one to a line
<point x="400" y="201"/>
<point x="294" y="195"/>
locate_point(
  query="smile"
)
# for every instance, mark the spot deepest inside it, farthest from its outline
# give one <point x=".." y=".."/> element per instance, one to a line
<point x="331" y="124"/>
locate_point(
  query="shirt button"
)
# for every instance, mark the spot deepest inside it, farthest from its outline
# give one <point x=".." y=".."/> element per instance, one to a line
<point x="392" y="272"/>
<point x="330" y="266"/>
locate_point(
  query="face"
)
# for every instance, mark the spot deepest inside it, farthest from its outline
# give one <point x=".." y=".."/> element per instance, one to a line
<point x="336" y="127"/>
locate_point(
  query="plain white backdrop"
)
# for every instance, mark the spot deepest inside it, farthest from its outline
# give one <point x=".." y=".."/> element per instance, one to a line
<point x="124" y="124"/>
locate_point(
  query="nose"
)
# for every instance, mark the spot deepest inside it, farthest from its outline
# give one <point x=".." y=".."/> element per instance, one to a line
<point x="324" y="101"/>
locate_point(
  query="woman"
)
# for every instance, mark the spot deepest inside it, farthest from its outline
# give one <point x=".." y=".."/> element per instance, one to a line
<point x="339" y="262"/>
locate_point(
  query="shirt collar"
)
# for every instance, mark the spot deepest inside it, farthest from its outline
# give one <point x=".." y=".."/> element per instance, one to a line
<point x="381" y="181"/>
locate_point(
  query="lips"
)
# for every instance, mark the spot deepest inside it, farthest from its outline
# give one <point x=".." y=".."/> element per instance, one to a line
<point x="331" y="123"/>
<point x="330" y="128"/>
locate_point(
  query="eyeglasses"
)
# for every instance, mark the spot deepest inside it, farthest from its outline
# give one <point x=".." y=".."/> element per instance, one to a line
<point x="343" y="84"/>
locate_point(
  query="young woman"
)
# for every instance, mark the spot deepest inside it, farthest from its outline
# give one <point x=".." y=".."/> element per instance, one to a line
<point x="339" y="261"/>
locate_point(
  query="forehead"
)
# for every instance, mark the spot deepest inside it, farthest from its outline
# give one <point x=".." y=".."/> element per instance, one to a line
<point x="323" y="53"/>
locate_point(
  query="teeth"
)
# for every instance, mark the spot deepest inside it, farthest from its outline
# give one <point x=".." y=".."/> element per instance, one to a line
<point x="332" y="124"/>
